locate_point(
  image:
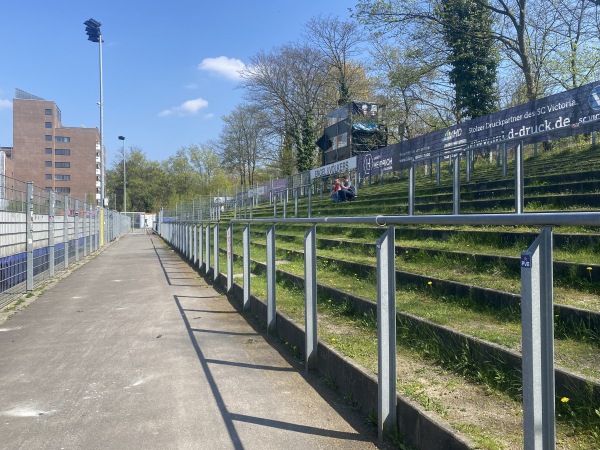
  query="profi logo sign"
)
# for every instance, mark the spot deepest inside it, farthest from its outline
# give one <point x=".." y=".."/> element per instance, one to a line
<point x="452" y="134"/>
<point x="367" y="163"/>
<point x="594" y="99"/>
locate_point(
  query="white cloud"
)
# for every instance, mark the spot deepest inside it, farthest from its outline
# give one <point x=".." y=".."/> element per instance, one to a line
<point x="228" y="67"/>
<point x="5" y="104"/>
<point x="187" y="108"/>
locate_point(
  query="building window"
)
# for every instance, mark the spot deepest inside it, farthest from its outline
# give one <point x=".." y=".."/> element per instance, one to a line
<point x="63" y="139"/>
<point x="63" y="190"/>
<point x="48" y="124"/>
<point x="48" y="163"/>
<point x="63" y="151"/>
<point x="48" y="137"/>
<point x="48" y="112"/>
<point x="48" y="151"/>
<point x="48" y="176"/>
<point x="62" y="165"/>
<point x="62" y="177"/>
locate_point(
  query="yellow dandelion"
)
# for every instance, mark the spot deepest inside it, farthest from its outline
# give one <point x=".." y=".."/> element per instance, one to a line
<point x="430" y="283"/>
<point x="564" y="399"/>
<point x="589" y="268"/>
<point x="332" y="339"/>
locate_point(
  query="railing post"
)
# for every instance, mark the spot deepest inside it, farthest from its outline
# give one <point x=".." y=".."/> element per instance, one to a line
<point x="296" y="195"/>
<point x="84" y="234"/>
<point x="438" y="171"/>
<point x="76" y="225"/>
<point x="456" y="186"/>
<point x="386" y="332"/>
<point x="246" y="262"/>
<point x="200" y="246"/>
<point x="271" y="291"/>
<point x="519" y="181"/>
<point x="29" y="236"/>
<point x="468" y="165"/>
<point x="309" y="199"/>
<point x="194" y="244"/>
<point x="66" y="230"/>
<point x="230" y="257"/>
<point x="216" y="252"/>
<point x="537" y="317"/>
<point x="310" y="297"/>
<point x="52" y="205"/>
<point x="207" y="248"/>
<point x="411" y="190"/>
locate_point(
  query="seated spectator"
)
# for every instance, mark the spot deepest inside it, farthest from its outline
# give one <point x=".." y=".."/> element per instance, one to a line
<point x="347" y="189"/>
<point x="336" y="194"/>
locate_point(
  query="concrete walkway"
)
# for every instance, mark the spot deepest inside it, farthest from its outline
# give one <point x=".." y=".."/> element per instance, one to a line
<point x="134" y="350"/>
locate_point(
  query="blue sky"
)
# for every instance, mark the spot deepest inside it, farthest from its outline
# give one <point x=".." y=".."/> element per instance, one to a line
<point x="169" y="68"/>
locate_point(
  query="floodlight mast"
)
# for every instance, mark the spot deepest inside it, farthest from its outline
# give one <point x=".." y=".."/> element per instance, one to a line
<point x="122" y="138"/>
<point x="92" y="28"/>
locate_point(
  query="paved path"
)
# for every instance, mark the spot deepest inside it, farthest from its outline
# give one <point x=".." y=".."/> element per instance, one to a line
<point x="134" y="350"/>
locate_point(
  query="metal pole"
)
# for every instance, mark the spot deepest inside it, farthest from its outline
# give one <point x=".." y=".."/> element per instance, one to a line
<point x="519" y="180"/>
<point x="468" y="166"/>
<point x="456" y="186"/>
<point x="51" y="233"/>
<point x="310" y="297"/>
<point x="66" y="231"/>
<point x="271" y="291"/>
<point x="438" y="171"/>
<point x="207" y="249"/>
<point x="84" y="225"/>
<point x="216" y="252"/>
<point x="411" y="190"/>
<point x="538" y="343"/>
<point x="102" y="156"/>
<point x="200" y="246"/>
<point x="29" y="233"/>
<point x="246" y="253"/>
<point x="386" y="332"/>
<point x="195" y="244"/>
<point x="229" y="257"/>
<point x="76" y="228"/>
<point x="124" y="177"/>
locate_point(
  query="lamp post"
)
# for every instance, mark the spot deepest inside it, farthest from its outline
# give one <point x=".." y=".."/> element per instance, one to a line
<point x="122" y="138"/>
<point x="92" y="28"/>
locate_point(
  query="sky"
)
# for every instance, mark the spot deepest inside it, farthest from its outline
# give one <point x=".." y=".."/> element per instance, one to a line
<point x="170" y="69"/>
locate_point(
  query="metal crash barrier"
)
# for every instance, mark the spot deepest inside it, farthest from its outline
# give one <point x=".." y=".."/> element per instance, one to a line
<point x="536" y="296"/>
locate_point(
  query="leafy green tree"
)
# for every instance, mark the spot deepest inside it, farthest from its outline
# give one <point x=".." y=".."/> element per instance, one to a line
<point x="466" y="28"/>
<point x="146" y="183"/>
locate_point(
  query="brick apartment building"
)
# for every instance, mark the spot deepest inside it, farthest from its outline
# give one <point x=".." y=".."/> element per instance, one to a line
<point x="63" y="159"/>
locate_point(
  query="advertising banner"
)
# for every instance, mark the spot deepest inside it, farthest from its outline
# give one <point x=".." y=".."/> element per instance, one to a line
<point x="333" y="169"/>
<point x="557" y="116"/>
<point x="276" y="186"/>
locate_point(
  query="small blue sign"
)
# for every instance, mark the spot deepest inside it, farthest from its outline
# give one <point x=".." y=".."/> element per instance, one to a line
<point x="526" y="260"/>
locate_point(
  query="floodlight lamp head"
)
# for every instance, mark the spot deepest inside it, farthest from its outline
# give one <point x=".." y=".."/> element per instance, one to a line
<point x="121" y="138"/>
<point x="92" y="28"/>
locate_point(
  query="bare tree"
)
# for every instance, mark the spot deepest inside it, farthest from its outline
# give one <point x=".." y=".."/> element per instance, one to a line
<point x="289" y="83"/>
<point x="339" y="43"/>
<point x="244" y="142"/>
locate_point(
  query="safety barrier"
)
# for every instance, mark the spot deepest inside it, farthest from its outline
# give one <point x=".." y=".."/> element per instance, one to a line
<point x="42" y="234"/>
<point x="192" y="238"/>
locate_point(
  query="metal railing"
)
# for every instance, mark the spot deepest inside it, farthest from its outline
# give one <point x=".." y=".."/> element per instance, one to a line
<point x="192" y="238"/>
